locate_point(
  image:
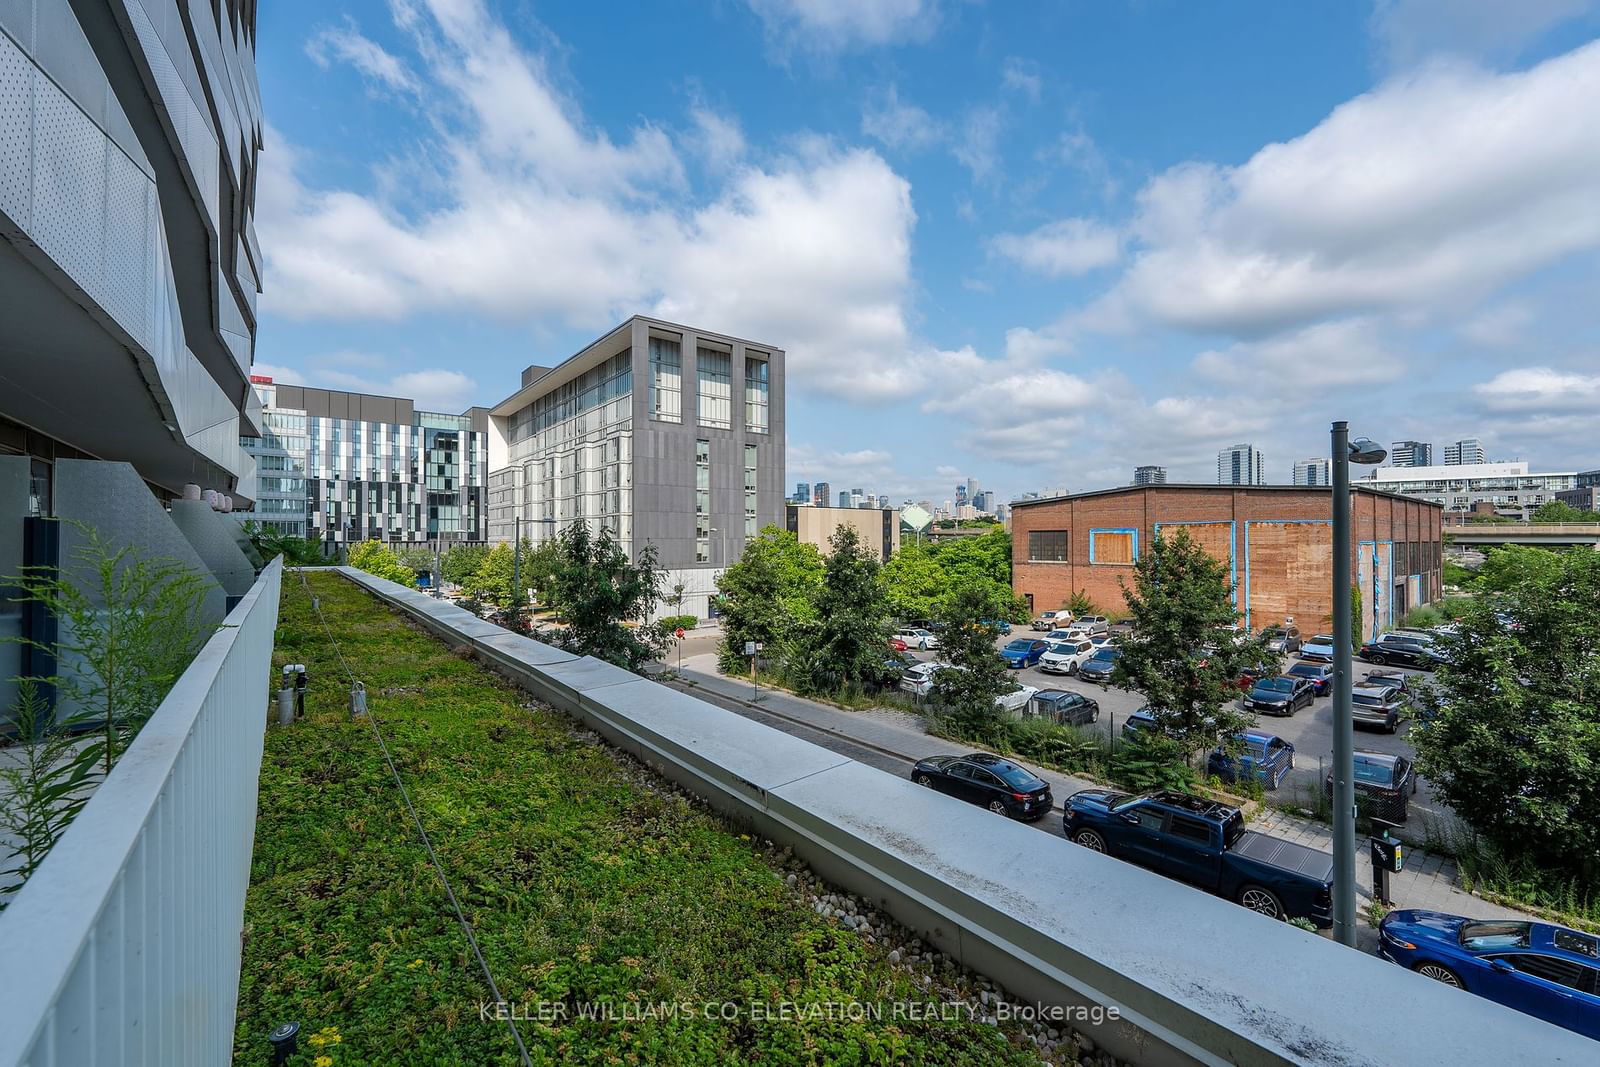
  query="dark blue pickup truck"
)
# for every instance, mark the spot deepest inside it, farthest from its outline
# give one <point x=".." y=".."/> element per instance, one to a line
<point x="1205" y="844"/>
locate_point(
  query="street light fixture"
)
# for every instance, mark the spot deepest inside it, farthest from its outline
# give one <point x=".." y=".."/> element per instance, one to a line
<point x="1345" y="452"/>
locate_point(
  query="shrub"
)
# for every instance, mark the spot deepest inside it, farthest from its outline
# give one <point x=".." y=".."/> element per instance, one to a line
<point x="673" y="622"/>
<point x="377" y="559"/>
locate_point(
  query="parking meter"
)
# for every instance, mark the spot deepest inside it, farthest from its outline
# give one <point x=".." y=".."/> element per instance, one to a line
<point x="1388" y="856"/>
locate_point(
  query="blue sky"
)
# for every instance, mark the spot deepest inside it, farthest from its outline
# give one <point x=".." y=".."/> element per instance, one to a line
<point x="1032" y="243"/>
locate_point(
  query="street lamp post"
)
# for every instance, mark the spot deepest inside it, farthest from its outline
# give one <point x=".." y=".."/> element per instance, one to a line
<point x="1344" y="738"/>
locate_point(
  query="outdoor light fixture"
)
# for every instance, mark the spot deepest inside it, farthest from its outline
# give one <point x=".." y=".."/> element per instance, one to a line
<point x="1345" y="452"/>
<point x="284" y="1040"/>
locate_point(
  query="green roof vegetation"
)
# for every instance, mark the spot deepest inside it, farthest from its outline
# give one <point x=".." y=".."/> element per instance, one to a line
<point x="586" y="880"/>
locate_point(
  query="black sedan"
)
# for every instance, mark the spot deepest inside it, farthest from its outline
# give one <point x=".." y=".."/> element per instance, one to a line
<point x="991" y="781"/>
<point x="1401" y="650"/>
<point x="1283" y="695"/>
<point x="1384" y="784"/>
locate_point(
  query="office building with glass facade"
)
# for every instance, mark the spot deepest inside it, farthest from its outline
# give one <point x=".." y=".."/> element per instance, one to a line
<point x="661" y="433"/>
<point x="343" y="467"/>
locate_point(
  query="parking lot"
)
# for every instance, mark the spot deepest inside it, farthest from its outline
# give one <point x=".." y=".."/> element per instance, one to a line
<point x="1310" y="730"/>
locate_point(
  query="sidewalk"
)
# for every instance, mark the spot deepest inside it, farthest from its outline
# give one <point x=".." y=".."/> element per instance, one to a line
<point x="1429" y="881"/>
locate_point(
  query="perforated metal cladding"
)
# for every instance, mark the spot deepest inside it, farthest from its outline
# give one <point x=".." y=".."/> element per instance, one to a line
<point x="195" y="136"/>
<point x="16" y="133"/>
<point x="69" y="185"/>
<point x="129" y="246"/>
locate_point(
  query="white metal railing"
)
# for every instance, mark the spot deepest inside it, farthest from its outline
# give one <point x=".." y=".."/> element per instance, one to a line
<point x="124" y="946"/>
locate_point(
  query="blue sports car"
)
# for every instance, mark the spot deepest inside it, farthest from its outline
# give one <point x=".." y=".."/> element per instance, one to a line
<point x="1549" y="972"/>
<point x="1320" y="675"/>
<point x="1024" y="652"/>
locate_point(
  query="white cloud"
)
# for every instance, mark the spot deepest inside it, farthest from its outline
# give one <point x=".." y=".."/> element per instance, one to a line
<point x="718" y="137"/>
<point x="1330" y="354"/>
<point x="1540" y="390"/>
<point x="535" y="217"/>
<point x="345" y="44"/>
<point x="434" y="388"/>
<point x="1061" y="248"/>
<point x="976" y="145"/>
<point x="1022" y="75"/>
<point x="897" y="123"/>
<point x="1430" y="189"/>
<point x="835" y="25"/>
<point x="1409" y="31"/>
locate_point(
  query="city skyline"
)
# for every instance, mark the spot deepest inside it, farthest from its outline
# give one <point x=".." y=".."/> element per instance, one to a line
<point x="968" y="252"/>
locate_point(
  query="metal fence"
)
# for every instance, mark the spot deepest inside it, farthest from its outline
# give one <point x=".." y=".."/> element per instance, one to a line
<point x="123" y="948"/>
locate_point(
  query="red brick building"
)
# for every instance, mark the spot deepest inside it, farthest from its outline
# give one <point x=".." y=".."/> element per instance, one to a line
<point x="1277" y="542"/>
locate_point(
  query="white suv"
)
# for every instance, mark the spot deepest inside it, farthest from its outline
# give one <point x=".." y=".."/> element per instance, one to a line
<point x="1065" y="657"/>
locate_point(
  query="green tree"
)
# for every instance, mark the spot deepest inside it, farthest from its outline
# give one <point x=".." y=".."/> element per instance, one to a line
<point x="538" y="566"/>
<point x="462" y="562"/>
<point x="128" y="625"/>
<point x="600" y="592"/>
<point x="493" y="579"/>
<point x="1185" y="652"/>
<point x="1080" y="604"/>
<point x="1508" y="566"/>
<point x="844" y="648"/>
<point x="376" y="558"/>
<point x="1561" y="511"/>
<point x="1356" y="638"/>
<point x="765" y="594"/>
<point x="978" y="676"/>
<point x="915" y="582"/>
<point x="1509" y="734"/>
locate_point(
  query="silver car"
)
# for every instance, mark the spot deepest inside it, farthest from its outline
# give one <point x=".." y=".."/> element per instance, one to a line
<point x="1376" y="705"/>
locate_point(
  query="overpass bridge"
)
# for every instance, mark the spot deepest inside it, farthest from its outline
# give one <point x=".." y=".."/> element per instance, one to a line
<point x="1550" y="535"/>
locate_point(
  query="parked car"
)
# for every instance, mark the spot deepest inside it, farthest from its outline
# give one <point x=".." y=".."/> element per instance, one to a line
<point x="1320" y="675"/>
<point x="1138" y="723"/>
<point x="917" y="637"/>
<point x="990" y="781"/>
<point x="1068" y="709"/>
<point x="1284" y="639"/>
<point x="1265" y="757"/>
<point x="1098" y="667"/>
<point x="918" y="678"/>
<point x="1050" y="620"/>
<point x="1093" y="625"/>
<point x="1376" y="705"/>
<point x="898" y="643"/>
<point x="1017" y="699"/>
<point x="1102" y="640"/>
<point x="1024" y="652"/>
<point x="1547" y="971"/>
<point x="1396" y="680"/>
<point x="1205" y="843"/>
<point x="999" y="626"/>
<point x="1065" y="657"/>
<point x="1319" y="648"/>
<point x="1250" y="676"/>
<point x="1384" y="784"/>
<point x="1404" y="650"/>
<point x="1283" y="695"/>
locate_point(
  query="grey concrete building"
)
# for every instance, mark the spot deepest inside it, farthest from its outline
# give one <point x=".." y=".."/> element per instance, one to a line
<point x="129" y="274"/>
<point x="342" y="467"/>
<point x="1149" y="474"/>
<point x="664" y="434"/>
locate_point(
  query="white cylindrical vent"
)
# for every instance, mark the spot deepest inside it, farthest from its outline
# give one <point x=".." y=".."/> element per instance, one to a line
<point x="191" y="492"/>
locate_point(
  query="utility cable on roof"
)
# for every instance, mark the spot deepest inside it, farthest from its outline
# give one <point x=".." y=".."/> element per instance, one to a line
<point x="433" y="858"/>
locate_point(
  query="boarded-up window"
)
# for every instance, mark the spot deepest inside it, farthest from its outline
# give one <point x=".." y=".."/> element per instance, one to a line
<point x="1215" y="537"/>
<point x="1113" y="546"/>
<point x="1047" y="546"/>
<point x="1288" y="571"/>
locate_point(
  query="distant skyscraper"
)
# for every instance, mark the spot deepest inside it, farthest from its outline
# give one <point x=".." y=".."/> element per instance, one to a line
<point x="856" y="498"/>
<point x="802" y="492"/>
<point x="961" y="494"/>
<point x="1410" y="454"/>
<point x="844" y="498"/>
<point x="1467" y="450"/>
<point x="1241" y="465"/>
<point x="819" y="494"/>
<point x="1149" y="475"/>
<point x="972" y="491"/>
<point x="1312" y="472"/>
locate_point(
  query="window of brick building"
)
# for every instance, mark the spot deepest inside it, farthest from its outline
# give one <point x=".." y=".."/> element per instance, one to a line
<point x="1047" y="546"/>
